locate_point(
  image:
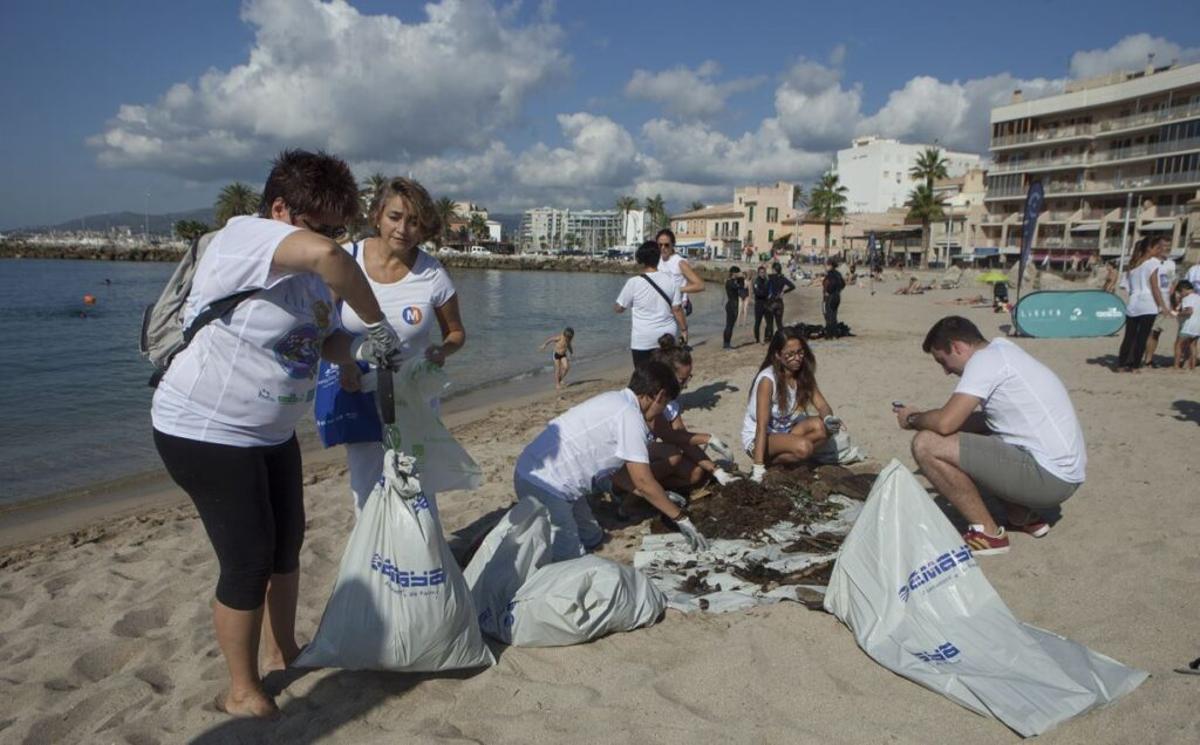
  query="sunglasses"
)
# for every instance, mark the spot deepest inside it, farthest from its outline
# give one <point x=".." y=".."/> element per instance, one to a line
<point x="329" y="231"/>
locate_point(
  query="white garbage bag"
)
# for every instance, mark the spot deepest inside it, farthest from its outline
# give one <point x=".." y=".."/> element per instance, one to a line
<point x="443" y="464"/>
<point x="839" y="449"/>
<point x="918" y="603"/>
<point x="508" y="556"/>
<point x="400" y="601"/>
<point x="575" y="601"/>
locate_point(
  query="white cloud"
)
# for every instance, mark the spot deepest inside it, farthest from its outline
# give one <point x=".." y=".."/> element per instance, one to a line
<point x="687" y="93"/>
<point x="1130" y="53"/>
<point x="696" y="154"/>
<point x="321" y="74"/>
<point x="601" y="153"/>
<point x="813" y="108"/>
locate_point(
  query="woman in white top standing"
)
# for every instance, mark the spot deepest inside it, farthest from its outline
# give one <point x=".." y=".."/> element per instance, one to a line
<point x="777" y="427"/>
<point x="414" y="291"/>
<point x="225" y="412"/>
<point x="1145" y="304"/>
<point x="679" y="269"/>
<point x="656" y="306"/>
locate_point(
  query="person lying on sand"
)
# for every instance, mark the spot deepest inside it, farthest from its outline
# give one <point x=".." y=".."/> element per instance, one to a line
<point x="977" y="300"/>
<point x="1024" y="447"/>
<point x="777" y="427"/>
<point x="593" y="440"/>
<point x="914" y="288"/>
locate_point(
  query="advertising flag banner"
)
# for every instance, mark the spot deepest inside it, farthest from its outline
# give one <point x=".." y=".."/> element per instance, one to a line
<point x="1033" y="207"/>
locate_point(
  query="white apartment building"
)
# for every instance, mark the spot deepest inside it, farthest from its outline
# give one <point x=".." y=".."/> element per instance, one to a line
<point x="1124" y="136"/>
<point x="552" y="229"/>
<point x="874" y="171"/>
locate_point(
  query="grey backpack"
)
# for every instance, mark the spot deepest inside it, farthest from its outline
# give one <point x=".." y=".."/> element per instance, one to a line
<point x="163" y="334"/>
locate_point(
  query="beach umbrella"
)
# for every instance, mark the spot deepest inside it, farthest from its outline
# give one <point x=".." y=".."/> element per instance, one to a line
<point x="992" y="276"/>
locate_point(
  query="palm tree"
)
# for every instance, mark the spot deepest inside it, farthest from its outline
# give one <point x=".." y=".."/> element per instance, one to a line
<point x="827" y="203"/>
<point x="625" y="205"/>
<point x="925" y="206"/>
<point x="799" y="203"/>
<point x="657" y="209"/>
<point x="447" y="210"/>
<point x="930" y="167"/>
<point x="478" y="227"/>
<point x="697" y="206"/>
<point x="235" y="199"/>
<point x="190" y="230"/>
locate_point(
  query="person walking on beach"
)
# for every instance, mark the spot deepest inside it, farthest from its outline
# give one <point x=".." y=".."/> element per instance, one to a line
<point x="1145" y="304"/>
<point x="415" y="292"/>
<point x="225" y="412"/>
<point x="777" y="427"/>
<point x="1189" y="326"/>
<point x="777" y="286"/>
<point x="831" y="290"/>
<point x="734" y="286"/>
<point x="656" y="305"/>
<point x="1024" y="447"/>
<point x="561" y="356"/>
<point x="592" y="441"/>
<point x="761" y="288"/>
<point x="1166" y="288"/>
<point x="677" y="267"/>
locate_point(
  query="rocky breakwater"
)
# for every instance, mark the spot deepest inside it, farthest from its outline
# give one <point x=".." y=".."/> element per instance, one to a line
<point x="22" y="250"/>
<point x="561" y="264"/>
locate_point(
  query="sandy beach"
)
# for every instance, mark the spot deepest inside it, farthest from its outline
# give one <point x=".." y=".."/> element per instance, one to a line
<point x="105" y="633"/>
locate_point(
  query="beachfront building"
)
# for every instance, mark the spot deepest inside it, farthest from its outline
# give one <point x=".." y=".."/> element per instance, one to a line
<point x="1126" y="137"/>
<point x="765" y="208"/>
<point x="711" y="232"/>
<point x="957" y="237"/>
<point x="874" y="171"/>
<point x="557" y="230"/>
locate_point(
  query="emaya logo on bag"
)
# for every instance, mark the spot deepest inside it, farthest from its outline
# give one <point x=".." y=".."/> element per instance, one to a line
<point x="402" y="579"/>
<point x="934" y="568"/>
<point x="944" y="653"/>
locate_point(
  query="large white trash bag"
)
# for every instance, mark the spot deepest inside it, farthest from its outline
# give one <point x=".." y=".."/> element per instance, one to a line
<point x="400" y="601"/>
<point x="575" y="601"/>
<point x="918" y="603"/>
<point x="509" y="555"/>
<point x="443" y="464"/>
<point x="839" y="450"/>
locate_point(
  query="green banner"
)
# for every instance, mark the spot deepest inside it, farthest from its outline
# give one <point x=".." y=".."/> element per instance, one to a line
<point x="1069" y="314"/>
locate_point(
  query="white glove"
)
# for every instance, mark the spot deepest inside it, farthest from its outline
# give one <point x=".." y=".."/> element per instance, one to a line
<point x="695" y="541"/>
<point x="833" y="424"/>
<point x="718" y="447"/>
<point x="724" y="478"/>
<point x="380" y="347"/>
<point x="757" y="473"/>
<point x="677" y="499"/>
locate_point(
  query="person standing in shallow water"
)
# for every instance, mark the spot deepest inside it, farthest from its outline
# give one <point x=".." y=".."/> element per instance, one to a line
<point x="777" y="286"/>
<point x="761" y="288"/>
<point x="734" y="286"/>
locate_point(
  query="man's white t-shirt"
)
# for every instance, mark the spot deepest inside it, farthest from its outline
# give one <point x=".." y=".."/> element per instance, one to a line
<point x="1191" y="324"/>
<point x="671" y="267"/>
<point x="1141" y="299"/>
<point x="1026" y="404"/>
<point x="781" y="421"/>
<point x="651" y="317"/>
<point x="408" y="304"/>
<point x="1166" y="275"/>
<point x="246" y="379"/>
<point x="1193" y="276"/>
<point x="591" y="439"/>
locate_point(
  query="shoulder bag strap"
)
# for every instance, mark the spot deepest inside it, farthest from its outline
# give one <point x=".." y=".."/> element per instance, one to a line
<point x="658" y="289"/>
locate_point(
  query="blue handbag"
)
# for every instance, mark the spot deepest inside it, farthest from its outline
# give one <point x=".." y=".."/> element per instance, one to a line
<point x="342" y="416"/>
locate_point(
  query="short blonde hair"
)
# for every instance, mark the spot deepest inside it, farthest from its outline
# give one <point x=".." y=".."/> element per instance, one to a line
<point x="418" y="201"/>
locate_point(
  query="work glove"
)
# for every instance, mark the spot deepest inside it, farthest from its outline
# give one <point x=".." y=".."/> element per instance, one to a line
<point x="717" y="446"/>
<point x="725" y="478"/>
<point x="833" y="424"/>
<point x="696" y="541"/>
<point x="757" y="473"/>
<point x="380" y="347"/>
<point x="677" y="499"/>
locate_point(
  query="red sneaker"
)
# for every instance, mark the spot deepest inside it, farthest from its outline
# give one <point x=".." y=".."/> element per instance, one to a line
<point x="1036" y="527"/>
<point x="983" y="544"/>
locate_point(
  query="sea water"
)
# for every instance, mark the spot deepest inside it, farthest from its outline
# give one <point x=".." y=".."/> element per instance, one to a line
<point x="75" y="407"/>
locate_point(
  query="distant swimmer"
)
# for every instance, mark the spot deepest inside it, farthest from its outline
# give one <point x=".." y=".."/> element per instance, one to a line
<point x="89" y="299"/>
<point x="107" y="281"/>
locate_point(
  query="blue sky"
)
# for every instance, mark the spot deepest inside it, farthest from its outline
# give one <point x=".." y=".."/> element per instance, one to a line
<point x="517" y="104"/>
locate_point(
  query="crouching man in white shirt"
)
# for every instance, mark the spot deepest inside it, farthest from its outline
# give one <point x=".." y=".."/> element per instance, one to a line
<point x="1024" y="448"/>
<point x="593" y="440"/>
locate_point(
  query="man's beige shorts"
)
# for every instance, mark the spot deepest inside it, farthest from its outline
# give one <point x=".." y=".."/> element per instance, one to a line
<point x="1010" y="473"/>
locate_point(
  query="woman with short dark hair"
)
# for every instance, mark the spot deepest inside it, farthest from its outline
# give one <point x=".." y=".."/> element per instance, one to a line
<point x="655" y="300"/>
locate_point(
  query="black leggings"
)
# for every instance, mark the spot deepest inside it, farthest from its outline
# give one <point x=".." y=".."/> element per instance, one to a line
<point x="760" y="310"/>
<point x="831" y="310"/>
<point x="731" y="314"/>
<point x="641" y="356"/>
<point x="251" y="501"/>
<point x="1133" y="345"/>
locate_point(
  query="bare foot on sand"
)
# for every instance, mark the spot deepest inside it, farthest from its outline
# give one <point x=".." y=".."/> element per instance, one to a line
<point x="280" y="661"/>
<point x="249" y="705"/>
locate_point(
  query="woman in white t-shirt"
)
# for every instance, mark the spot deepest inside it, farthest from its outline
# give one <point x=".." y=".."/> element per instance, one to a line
<point x="225" y="411"/>
<point x="414" y="290"/>
<point x="656" y="306"/>
<point x="1144" y="305"/>
<point x="681" y="271"/>
<point x="777" y="427"/>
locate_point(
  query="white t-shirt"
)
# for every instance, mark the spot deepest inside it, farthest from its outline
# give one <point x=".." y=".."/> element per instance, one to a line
<point x="408" y="304"/>
<point x="669" y="414"/>
<point x="781" y="421"/>
<point x="671" y="267"/>
<point x="1026" y="404"/>
<point x="1141" y="299"/>
<point x="1191" y="324"/>
<point x="591" y="439"/>
<point x="1166" y="275"/>
<point x="651" y="318"/>
<point x="247" y="379"/>
<point x="1193" y="276"/>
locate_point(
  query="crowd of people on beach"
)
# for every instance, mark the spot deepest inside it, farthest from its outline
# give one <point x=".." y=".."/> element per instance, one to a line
<point x="225" y="411"/>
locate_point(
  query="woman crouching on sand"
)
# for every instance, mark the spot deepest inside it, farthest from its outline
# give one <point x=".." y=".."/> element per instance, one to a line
<point x="225" y="412"/>
<point x="777" y="427"/>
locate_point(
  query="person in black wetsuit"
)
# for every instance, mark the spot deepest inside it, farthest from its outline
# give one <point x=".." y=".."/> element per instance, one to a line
<point x="832" y="286"/>
<point x="760" y="289"/>
<point x="733" y="287"/>
<point x="777" y="286"/>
